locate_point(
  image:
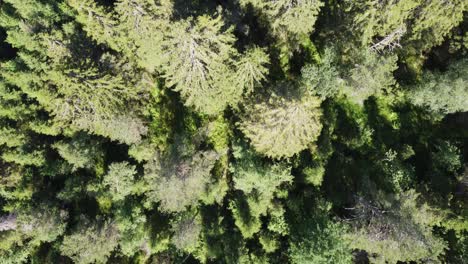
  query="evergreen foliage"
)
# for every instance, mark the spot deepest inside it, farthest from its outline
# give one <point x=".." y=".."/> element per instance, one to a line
<point x="250" y="131"/>
<point x="288" y="18"/>
<point x="399" y="232"/>
<point x="282" y="125"/>
<point x="179" y="179"/>
<point x="443" y="93"/>
<point x="90" y="244"/>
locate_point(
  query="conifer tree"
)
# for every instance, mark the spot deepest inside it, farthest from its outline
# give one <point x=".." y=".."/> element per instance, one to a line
<point x="97" y="22"/>
<point x="251" y="69"/>
<point x="372" y="76"/>
<point x="289" y="19"/>
<point x="80" y="152"/>
<point x="30" y="228"/>
<point x="178" y="180"/>
<point x="171" y="131"/>
<point x="134" y="235"/>
<point x="443" y="92"/>
<point x="90" y="242"/>
<point x="260" y="184"/>
<point x="120" y="180"/>
<point x="198" y="63"/>
<point x="324" y="79"/>
<point x="319" y="241"/>
<point x="419" y="24"/>
<point x="398" y="231"/>
<point x="282" y="125"/>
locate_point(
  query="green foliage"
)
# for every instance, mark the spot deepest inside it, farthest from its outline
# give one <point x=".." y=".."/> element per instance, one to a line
<point x="186" y="229"/>
<point x="287" y="17"/>
<point x="131" y="224"/>
<point x="443" y="93"/>
<point x="446" y="157"/>
<point x="24" y="157"/>
<point x="314" y="175"/>
<point x="323" y="79"/>
<point x="90" y="243"/>
<point x="400" y="230"/>
<point x="178" y="180"/>
<point x="320" y="243"/>
<point x="261" y="184"/>
<point x="251" y="69"/>
<point x="282" y="124"/>
<point x="79" y="152"/>
<point x="315" y="237"/>
<point x="420" y="24"/>
<point x="120" y="180"/>
<point x="219" y="134"/>
<point x="373" y="76"/>
<point x="197" y="62"/>
<point x="435" y="21"/>
<point x="25" y="231"/>
<point x="251" y="131"/>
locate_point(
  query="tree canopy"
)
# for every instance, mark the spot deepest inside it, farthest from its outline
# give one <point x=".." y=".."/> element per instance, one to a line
<point x="249" y="131"/>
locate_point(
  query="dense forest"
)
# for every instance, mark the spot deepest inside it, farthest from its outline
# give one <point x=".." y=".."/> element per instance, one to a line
<point x="234" y="131"/>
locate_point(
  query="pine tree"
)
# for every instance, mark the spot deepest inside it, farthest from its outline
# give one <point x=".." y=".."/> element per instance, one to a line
<point x="32" y="227"/>
<point x="319" y="241"/>
<point x="324" y="79"/>
<point x="134" y="28"/>
<point x="169" y="131"/>
<point x="134" y="235"/>
<point x="251" y="69"/>
<point x="97" y="23"/>
<point x="141" y="27"/>
<point x="80" y="152"/>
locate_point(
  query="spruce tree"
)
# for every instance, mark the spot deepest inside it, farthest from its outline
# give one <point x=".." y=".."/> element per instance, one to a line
<point x="282" y="125"/>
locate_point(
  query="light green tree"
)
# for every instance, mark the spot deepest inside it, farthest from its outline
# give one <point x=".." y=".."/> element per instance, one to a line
<point x="141" y="27"/>
<point x="27" y="229"/>
<point x="80" y="151"/>
<point x="120" y="180"/>
<point x="251" y="69"/>
<point x="418" y="24"/>
<point x="90" y="242"/>
<point x="186" y="229"/>
<point x="319" y="241"/>
<point x="288" y="18"/>
<point x="134" y="234"/>
<point x="443" y="92"/>
<point x="178" y="180"/>
<point x="371" y="76"/>
<point x="198" y="63"/>
<point x="97" y="22"/>
<point x="196" y="56"/>
<point x="133" y="27"/>
<point x="399" y="229"/>
<point x="282" y="124"/>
